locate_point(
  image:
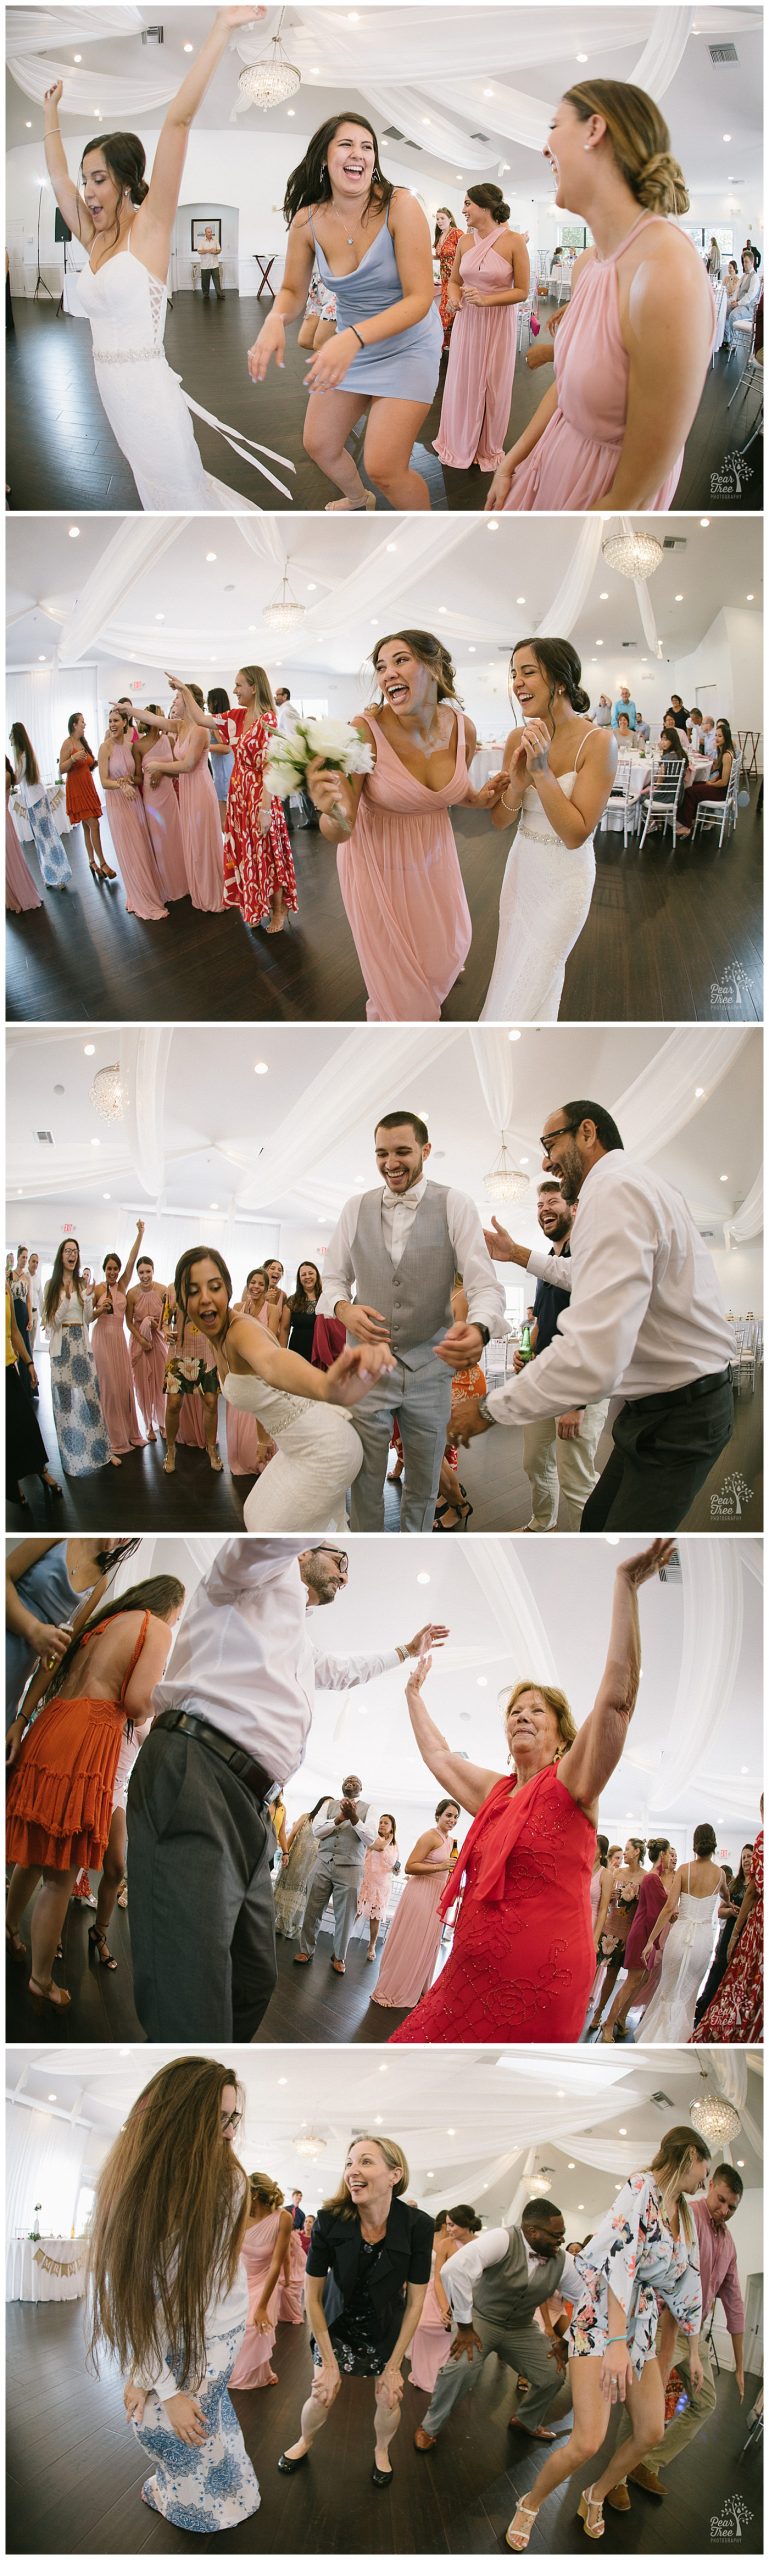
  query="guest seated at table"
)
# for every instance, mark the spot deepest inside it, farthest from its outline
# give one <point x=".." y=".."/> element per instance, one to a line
<point x="694" y="730"/>
<point x="643" y="732"/>
<point x="732" y="279"/>
<point x="715" y="785"/>
<point x="623" y="704"/>
<point x="624" y="734"/>
<point x="745" y="298"/>
<point x="670" y="741"/>
<point x="708" y="741"/>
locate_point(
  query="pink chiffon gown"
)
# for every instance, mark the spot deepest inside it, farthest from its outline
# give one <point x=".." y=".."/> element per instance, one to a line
<point x="252" y="2370"/>
<point x="149" y="1364"/>
<point x="402" y="887"/>
<point x="201" y="832"/>
<point x="247" y="1454"/>
<point x="161" y="810"/>
<point x="411" y="1949"/>
<point x="116" y="1386"/>
<point x="131" y="839"/>
<point x="291" y="2286"/>
<point x="475" y="414"/>
<point x="431" y="2342"/>
<point x="21" y="892"/>
<point x="575" y="461"/>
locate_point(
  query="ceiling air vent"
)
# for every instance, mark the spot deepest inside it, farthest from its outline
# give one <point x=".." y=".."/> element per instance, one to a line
<point x="660" y="2099"/>
<point x="152" y="35"/>
<point x="43" y="1137"/>
<point x="391" y="134"/>
<point x="481" y="137"/>
<point x="674" y="541"/>
<point x="722" y="53"/>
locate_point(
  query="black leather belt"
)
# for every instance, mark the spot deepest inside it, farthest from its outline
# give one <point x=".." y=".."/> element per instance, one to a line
<point x="249" y="1771"/>
<point x="686" y="1395"/>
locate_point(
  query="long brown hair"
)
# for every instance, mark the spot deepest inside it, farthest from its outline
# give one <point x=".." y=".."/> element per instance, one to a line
<point x="160" y="1593"/>
<point x="678" y="2148"/>
<point x="171" y="2209"/>
<point x="261" y="687"/>
<point x="341" y="2201"/>
<point x="24" y="751"/>
<point x="309" y="183"/>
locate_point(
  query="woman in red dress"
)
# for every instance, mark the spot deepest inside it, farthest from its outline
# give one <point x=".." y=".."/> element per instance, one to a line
<point x="259" y="875"/>
<point x="76" y="765"/>
<point x="736" y="2012"/>
<point x="61" y="1783"/>
<point x="523" y="1957"/>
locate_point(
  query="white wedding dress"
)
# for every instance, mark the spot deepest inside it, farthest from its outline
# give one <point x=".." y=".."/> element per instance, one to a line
<point x="318" y="1456"/>
<point x="686" y="1960"/>
<point x="545" y="901"/>
<point x="147" y="408"/>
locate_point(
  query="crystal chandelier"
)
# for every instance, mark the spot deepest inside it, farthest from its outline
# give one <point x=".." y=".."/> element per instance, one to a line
<point x="540" y="2182"/>
<point x="716" y="2119"/>
<point x="504" y="1182"/>
<point x="284" y="614"/>
<point x="310" y="2145"/>
<point x="634" y="555"/>
<point x="267" y="84"/>
<point x="109" y="1094"/>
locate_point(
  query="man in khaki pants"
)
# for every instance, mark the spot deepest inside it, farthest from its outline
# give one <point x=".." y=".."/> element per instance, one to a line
<point x="720" y="2282"/>
<point x="559" y="1456"/>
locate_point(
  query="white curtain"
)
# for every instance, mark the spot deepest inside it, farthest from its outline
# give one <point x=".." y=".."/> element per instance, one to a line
<point x="494" y="1056"/>
<point x="42" y="699"/>
<point x="711" y="1644"/>
<point x="661" y="1101"/>
<point x="138" y="543"/>
<point x="507" y="1602"/>
<point x="581" y="559"/>
<point x="144" y="1056"/>
<point x="749" y="1220"/>
<point x="44" y="2158"/>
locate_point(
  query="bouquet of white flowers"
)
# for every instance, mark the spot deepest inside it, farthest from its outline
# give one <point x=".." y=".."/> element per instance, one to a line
<point x="287" y="758"/>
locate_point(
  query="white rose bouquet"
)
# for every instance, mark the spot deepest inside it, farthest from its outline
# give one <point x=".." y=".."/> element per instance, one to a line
<point x="288" y="757"/>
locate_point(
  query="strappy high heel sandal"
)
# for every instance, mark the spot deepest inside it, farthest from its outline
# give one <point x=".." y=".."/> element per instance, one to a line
<point x="47" y="1993"/>
<point x="15" y="1945"/>
<point x="518" y="2533"/>
<point x="591" y="2511"/>
<point x="97" y="1938"/>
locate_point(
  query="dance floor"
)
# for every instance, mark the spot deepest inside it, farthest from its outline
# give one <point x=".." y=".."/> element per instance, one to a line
<point x="61" y="451"/>
<point x="138" y="1496"/>
<point x="671" y="936"/>
<point x="75" y="2472"/>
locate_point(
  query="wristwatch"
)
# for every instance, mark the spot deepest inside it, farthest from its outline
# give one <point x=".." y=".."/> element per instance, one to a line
<point x="483" y="1408"/>
<point x="482" y="1329"/>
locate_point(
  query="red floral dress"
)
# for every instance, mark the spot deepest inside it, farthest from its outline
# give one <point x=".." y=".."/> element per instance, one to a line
<point x="523" y="1960"/>
<point x="447" y="250"/>
<point x="736" y="2012"/>
<point x="256" y="867"/>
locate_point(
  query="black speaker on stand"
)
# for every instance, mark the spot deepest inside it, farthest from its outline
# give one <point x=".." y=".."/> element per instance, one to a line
<point x="62" y="233"/>
<point x="40" y="283"/>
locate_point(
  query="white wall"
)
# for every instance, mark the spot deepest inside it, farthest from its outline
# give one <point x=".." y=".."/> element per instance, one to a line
<point x="725" y="672"/>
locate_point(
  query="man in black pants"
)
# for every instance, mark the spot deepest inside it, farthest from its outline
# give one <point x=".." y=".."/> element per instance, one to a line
<point x="643" y="1322"/>
<point x="231" y="1720"/>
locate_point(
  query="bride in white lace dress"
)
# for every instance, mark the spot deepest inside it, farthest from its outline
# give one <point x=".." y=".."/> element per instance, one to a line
<point x="318" y="1449"/>
<point x="692" y="1903"/>
<point x="560" y="773"/>
<point x="127" y="228"/>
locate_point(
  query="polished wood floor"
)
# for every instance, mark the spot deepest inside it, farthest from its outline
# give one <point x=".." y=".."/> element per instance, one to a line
<point x="74" y="2469"/>
<point x="61" y="452"/>
<point x="671" y="937"/>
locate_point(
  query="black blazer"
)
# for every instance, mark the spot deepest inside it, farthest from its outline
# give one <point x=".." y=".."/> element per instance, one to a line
<point x="406" y="2257"/>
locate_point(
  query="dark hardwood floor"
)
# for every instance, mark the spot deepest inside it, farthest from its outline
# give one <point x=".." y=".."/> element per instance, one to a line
<point x="61" y="452"/>
<point x="74" y="2469"/>
<point x="671" y="937"/>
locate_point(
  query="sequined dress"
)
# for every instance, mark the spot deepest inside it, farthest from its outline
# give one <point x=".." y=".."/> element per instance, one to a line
<point x="523" y="1960"/>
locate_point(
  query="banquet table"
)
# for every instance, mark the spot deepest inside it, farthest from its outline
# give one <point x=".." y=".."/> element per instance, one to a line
<point x="640" y="771"/>
<point x="560" y="279"/>
<point x="46" y="2270"/>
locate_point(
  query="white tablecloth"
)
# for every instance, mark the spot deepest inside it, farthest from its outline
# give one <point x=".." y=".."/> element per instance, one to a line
<point x="28" y="2278"/>
<point x="640" y="770"/>
<point x="559" y="279"/>
<point x="486" y="761"/>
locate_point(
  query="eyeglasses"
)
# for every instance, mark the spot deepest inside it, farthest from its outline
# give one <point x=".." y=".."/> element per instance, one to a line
<point x="234" y="2117"/>
<point x="566" y="1130"/>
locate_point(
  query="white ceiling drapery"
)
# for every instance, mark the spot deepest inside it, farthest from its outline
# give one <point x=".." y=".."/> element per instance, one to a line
<point x="749" y="1220"/>
<point x="139" y="541"/>
<point x="350" y="1083"/>
<point x="663" y="1098"/>
<point x="710" y="1651"/>
<point x="144" y="1056"/>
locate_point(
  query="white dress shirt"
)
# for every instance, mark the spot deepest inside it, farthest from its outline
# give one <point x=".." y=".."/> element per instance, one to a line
<point x="462" y="2272"/>
<point x="645" y="1314"/>
<point x="288" y="719"/>
<point x="485" y="1294"/>
<point x="243" y="1659"/>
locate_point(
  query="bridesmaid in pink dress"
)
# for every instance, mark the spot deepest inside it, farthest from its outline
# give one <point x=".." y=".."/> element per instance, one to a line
<point x="198" y="805"/>
<point x="144" y="1317"/>
<point x="291" y="2287"/>
<point x="121" y="777"/>
<point x="432" y="2338"/>
<point x="20" y="891"/>
<point x="411" y="1947"/>
<point x="398" y="864"/>
<point x="161" y="807"/>
<point x="249" y="1446"/>
<point x="642" y="316"/>
<point x="490" y="277"/>
<point x="110" y="1351"/>
<point x="264" y="2254"/>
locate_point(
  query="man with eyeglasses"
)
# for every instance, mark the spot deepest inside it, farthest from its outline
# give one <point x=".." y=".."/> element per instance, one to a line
<point x="720" y="2283"/>
<point x="643" y="1322"/>
<point x="230" y="1727"/>
<point x="495" y="2286"/>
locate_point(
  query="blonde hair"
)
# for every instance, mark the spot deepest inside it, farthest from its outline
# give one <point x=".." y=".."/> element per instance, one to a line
<point x="263" y="2190"/>
<point x="260" y="686"/>
<point x="341" y="2201"/>
<point x="679" y="2147"/>
<point x="556" y="1700"/>
<point x="640" y="141"/>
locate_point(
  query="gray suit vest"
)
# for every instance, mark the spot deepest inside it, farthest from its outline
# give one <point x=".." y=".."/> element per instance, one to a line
<point x="509" y="2293"/>
<point x="343" y="1853"/>
<point x="415" y="1293"/>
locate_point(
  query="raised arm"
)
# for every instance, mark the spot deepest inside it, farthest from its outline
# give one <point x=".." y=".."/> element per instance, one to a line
<point x="590" y="1761"/>
<point x="126" y="1276"/>
<point x="69" y="200"/>
<point x="156" y="217"/>
<point x="347" y="1381"/>
<point x="464" y="1780"/>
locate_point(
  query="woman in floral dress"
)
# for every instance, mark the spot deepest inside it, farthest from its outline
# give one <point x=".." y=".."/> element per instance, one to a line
<point x="377" y="1881"/>
<point x="640" y="2268"/>
<point x="446" y="243"/>
<point x="77" y="1408"/>
<point x="259" y="875"/>
<point x="736" y="2012"/>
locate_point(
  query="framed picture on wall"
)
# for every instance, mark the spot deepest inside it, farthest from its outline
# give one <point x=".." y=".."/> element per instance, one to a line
<point x="207" y="235"/>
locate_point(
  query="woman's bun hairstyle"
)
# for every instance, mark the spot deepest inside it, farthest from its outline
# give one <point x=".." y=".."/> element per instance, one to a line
<point x="704" y="1840"/>
<point x="656" y="1849"/>
<point x="560" y="663"/>
<point x="126" y="160"/>
<point x="639" y="139"/>
<point x="491" y="200"/>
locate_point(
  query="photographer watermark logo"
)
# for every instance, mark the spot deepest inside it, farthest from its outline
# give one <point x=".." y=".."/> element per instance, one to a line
<point x="729" y="1502"/>
<point x="728" y="480"/>
<point x="731" y="987"/>
<point x="728" y="2526"/>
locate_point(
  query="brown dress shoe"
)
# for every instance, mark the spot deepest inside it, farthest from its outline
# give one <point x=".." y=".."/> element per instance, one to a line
<point x="649" y="2480"/>
<point x="619" y="2497"/>
<point x="424" y="2443"/>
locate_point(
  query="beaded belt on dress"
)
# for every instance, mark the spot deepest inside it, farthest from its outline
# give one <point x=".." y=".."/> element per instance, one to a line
<point x="127" y="355"/>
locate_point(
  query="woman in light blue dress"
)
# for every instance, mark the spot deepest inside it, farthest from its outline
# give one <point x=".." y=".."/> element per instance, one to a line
<point x="168" y="2290"/>
<point x="644" y="2253"/>
<point x="45" y="834"/>
<point x="68" y="1310"/>
<point x="371" y="245"/>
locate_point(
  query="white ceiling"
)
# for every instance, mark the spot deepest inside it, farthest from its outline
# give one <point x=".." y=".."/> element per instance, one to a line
<point x="491" y="2103"/>
<point x="219" y="1115"/>
<point x="480" y="589"/>
<point x="536" y="52"/>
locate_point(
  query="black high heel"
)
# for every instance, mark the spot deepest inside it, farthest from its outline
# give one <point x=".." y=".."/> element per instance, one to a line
<point x="97" y="1938"/>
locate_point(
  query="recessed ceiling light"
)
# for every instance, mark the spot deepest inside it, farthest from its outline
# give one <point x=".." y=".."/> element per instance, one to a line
<point x="623" y="2128"/>
<point x="492" y="526"/>
<point x="482" y="1682"/>
<point x="513" y="1035"/>
<point x="431" y="2173"/>
<point x="744" y="1770"/>
<point x="28" y="121"/>
<point x="604" y="596"/>
<point x="213" y="1204"/>
<point x="77" y="57"/>
<point x="698" y="1092"/>
<point x="423" y="1577"/>
<point x="311" y="587"/>
<point x="107" y="1195"/>
<point x="52" y="2097"/>
<point x="520" y="599"/>
<point x="291" y="111"/>
<point x="96" y="1142"/>
<point x="472" y="650"/>
<point x="750" y="599"/>
<point x="89" y="1048"/>
<point x="740" y="2164"/>
<point x="726" y="137"/>
<point x="188" y="48"/>
<point x="704" y="523"/>
<point x="210" y="555"/>
<point x="41" y="660"/>
<point x="723" y="1177"/>
<point x="678" y="599"/>
<point x="261" y="1068"/>
<point x="582" y="57"/>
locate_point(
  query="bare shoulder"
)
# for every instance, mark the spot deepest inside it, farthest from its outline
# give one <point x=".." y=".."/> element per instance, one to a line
<point x="587" y="258"/>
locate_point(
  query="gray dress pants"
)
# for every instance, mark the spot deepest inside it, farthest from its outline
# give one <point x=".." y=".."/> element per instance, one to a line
<point x="343" y="1889"/>
<point x="524" y="2349"/>
<point x="420" y="1399"/>
<point x="202" y="1910"/>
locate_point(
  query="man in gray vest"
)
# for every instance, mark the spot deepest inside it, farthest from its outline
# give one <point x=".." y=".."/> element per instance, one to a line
<point x="494" y="2287"/>
<point x="401" y="1248"/>
<point x="343" y="1843"/>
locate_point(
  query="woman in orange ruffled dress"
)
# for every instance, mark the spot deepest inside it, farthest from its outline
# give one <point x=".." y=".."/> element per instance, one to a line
<point x="76" y="766"/>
